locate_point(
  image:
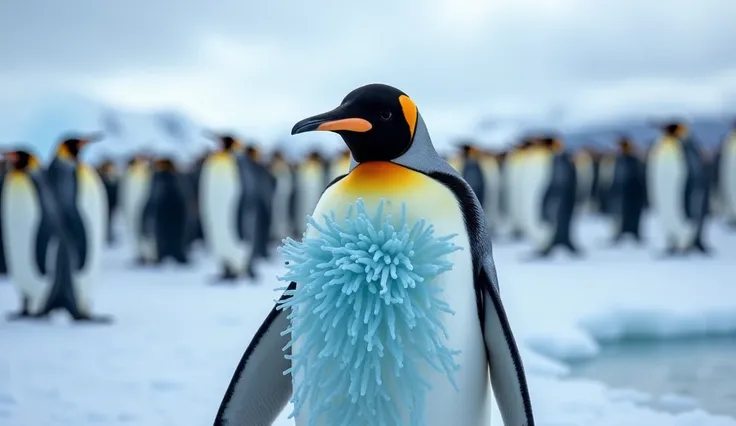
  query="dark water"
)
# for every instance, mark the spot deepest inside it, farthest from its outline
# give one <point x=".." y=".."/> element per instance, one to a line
<point x="702" y="371"/>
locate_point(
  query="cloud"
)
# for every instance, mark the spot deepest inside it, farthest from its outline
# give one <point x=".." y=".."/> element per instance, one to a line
<point x="260" y="66"/>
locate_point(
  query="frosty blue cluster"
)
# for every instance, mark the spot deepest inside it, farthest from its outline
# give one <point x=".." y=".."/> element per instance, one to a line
<point x="368" y="316"/>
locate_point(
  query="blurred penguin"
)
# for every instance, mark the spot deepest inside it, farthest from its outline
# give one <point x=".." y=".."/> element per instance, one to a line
<point x="193" y="175"/>
<point x="534" y="174"/>
<point x="584" y="175"/>
<point x="726" y="172"/>
<point x="558" y="201"/>
<point x="166" y="214"/>
<point x="513" y="181"/>
<point x="135" y="187"/>
<point x="471" y="170"/>
<point x="266" y="187"/>
<point x="455" y="160"/>
<point x="281" y="224"/>
<point x="678" y="188"/>
<point x="627" y="192"/>
<point x="492" y="187"/>
<point x="606" y="164"/>
<point x="310" y="184"/>
<point x="41" y="255"/>
<point x="80" y="196"/>
<point x="3" y="172"/>
<point x="110" y="178"/>
<point x="340" y="165"/>
<point x="227" y="192"/>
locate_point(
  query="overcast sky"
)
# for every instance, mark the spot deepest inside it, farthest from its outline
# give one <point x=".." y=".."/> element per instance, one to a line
<point x="266" y="64"/>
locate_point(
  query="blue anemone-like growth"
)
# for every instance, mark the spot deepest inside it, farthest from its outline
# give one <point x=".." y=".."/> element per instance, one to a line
<point x="368" y="317"/>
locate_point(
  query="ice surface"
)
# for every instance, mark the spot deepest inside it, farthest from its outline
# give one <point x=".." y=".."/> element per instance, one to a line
<point x="170" y="355"/>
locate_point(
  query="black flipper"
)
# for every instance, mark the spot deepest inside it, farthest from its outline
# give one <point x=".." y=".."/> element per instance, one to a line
<point x="259" y="390"/>
<point x="507" y="372"/>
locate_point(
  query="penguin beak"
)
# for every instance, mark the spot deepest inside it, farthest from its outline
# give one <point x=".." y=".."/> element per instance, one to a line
<point x="339" y="119"/>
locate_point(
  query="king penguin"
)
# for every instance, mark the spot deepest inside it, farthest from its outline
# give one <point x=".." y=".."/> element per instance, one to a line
<point x="340" y="164"/>
<point x="627" y="192"/>
<point x="82" y="200"/>
<point x="226" y="194"/>
<point x="281" y="224"/>
<point x="557" y="207"/>
<point x="471" y="170"/>
<point x="166" y="213"/>
<point x="109" y="174"/>
<point x="135" y="186"/>
<point x="3" y="172"/>
<point x="395" y="161"/>
<point x="491" y="168"/>
<point x="310" y="180"/>
<point x="513" y="175"/>
<point x="727" y="176"/>
<point x="40" y="255"/>
<point x="678" y="189"/>
<point x="266" y="186"/>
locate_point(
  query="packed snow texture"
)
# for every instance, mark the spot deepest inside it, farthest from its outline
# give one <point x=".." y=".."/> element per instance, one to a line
<point x="170" y="355"/>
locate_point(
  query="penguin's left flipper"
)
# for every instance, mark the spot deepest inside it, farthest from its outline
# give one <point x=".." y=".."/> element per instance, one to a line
<point x="259" y="390"/>
<point x="507" y="372"/>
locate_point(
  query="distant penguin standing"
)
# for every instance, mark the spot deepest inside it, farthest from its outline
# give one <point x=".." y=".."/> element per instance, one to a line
<point x="513" y="181"/>
<point x="395" y="164"/>
<point x="534" y="174"/>
<point x="605" y="177"/>
<point x="678" y="189"/>
<point x="339" y="165"/>
<point x="3" y="173"/>
<point x="226" y="194"/>
<point x="135" y="186"/>
<point x="310" y="184"/>
<point x="280" y="217"/>
<point x="492" y="186"/>
<point x="265" y="189"/>
<point x="193" y="176"/>
<point x="108" y="172"/>
<point x="558" y="200"/>
<point x="727" y="177"/>
<point x="41" y="257"/>
<point x="627" y="192"/>
<point x="166" y="214"/>
<point x="82" y="200"/>
<point x="584" y="175"/>
<point x="471" y="170"/>
<point x="455" y="160"/>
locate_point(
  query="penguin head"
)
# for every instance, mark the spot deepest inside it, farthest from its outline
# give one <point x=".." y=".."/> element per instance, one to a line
<point x="553" y="143"/>
<point x="253" y="153"/>
<point x="624" y="145"/>
<point x="468" y="149"/>
<point x="71" y="146"/>
<point x="675" y="129"/>
<point x="22" y="160"/>
<point x="226" y="142"/>
<point x="376" y="121"/>
<point x="164" y="164"/>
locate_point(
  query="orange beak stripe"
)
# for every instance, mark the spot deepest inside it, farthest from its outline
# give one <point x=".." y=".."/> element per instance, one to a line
<point x="350" y="124"/>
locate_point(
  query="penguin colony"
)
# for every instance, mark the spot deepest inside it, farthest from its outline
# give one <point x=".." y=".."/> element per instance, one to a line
<point x="238" y="202"/>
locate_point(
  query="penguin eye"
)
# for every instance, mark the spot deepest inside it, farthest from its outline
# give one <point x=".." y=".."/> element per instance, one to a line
<point x="385" y="115"/>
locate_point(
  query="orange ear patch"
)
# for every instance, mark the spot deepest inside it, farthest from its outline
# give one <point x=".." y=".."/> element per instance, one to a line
<point x="410" y="113"/>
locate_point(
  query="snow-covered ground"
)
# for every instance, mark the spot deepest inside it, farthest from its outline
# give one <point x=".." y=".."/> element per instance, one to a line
<point x="169" y="357"/>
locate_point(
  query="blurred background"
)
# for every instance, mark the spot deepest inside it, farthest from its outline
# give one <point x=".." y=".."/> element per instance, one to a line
<point x="599" y="137"/>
